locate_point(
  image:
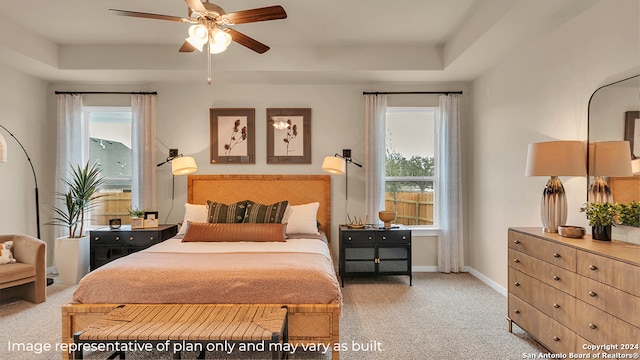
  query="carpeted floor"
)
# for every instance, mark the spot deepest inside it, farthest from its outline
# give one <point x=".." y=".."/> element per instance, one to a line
<point x="442" y="316"/>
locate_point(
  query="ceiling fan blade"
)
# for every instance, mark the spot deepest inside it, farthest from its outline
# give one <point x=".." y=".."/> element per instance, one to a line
<point x="254" y="15"/>
<point x="196" y="6"/>
<point x="149" y="15"/>
<point x="246" y="41"/>
<point x="187" y="47"/>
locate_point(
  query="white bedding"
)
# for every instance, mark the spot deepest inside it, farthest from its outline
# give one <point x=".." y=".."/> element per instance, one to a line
<point x="175" y="245"/>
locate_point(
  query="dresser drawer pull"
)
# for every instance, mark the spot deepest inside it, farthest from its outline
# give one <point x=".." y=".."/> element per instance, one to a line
<point x="593" y="326"/>
<point x="516" y="311"/>
<point x="555" y="338"/>
<point x="404" y="238"/>
<point x="349" y="238"/>
<point x="516" y="261"/>
<point x="556" y="255"/>
<point x="557" y="306"/>
<point x="96" y="238"/>
<point x="384" y="238"/>
<point x="516" y="242"/>
<point x="516" y="283"/>
<point x="370" y="238"/>
<point x="150" y="237"/>
<point x="556" y="278"/>
<point x="592" y="294"/>
<point x="131" y="238"/>
<point x="117" y="238"/>
<point x="593" y="267"/>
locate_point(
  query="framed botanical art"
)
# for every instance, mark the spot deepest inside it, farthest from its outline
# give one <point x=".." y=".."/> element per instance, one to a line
<point x="289" y="136"/>
<point x="233" y="139"/>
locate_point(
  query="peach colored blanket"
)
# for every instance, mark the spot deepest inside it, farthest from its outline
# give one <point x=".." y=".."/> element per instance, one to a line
<point x="300" y="275"/>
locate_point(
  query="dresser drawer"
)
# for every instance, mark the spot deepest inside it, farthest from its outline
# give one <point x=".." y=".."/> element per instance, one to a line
<point x="554" y="253"/>
<point x="613" y="301"/>
<point x="359" y="238"/>
<point x="555" y="276"/>
<point x="599" y="327"/>
<point x="614" y="273"/>
<point x="553" y="302"/>
<point x="553" y="335"/>
<point x="394" y="237"/>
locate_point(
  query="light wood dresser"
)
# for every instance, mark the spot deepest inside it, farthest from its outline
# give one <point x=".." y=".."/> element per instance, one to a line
<point x="575" y="296"/>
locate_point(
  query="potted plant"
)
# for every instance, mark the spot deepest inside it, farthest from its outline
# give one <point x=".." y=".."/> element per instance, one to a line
<point x="72" y="251"/>
<point x="601" y="217"/>
<point x="628" y="224"/>
<point x="137" y="218"/>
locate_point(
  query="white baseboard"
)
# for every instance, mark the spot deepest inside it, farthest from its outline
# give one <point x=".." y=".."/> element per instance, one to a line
<point x="492" y="284"/>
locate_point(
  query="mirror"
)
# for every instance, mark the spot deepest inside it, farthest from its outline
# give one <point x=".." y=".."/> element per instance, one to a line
<point x="613" y="115"/>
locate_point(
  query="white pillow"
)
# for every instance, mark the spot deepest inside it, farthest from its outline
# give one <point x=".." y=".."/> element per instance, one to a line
<point x="303" y="219"/>
<point x="6" y="257"/>
<point x="195" y="213"/>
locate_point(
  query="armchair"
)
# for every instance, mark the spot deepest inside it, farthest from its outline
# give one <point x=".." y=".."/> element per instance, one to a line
<point x="26" y="278"/>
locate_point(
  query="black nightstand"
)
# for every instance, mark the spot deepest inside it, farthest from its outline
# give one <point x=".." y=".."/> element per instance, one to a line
<point x="108" y="245"/>
<point x="373" y="251"/>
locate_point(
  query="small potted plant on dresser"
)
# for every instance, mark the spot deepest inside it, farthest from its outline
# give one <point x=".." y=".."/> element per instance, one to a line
<point x="601" y="217"/>
<point x="628" y="226"/>
<point x="137" y="218"/>
<point x="72" y="251"/>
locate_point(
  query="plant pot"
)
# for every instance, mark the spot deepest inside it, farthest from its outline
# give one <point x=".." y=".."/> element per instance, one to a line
<point x="599" y="232"/>
<point x="72" y="259"/>
<point x="625" y="233"/>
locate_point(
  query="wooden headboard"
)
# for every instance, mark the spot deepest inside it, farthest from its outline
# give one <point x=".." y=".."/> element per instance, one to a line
<point x="265" y="189"/>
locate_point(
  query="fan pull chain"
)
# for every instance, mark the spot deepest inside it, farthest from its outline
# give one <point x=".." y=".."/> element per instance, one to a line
<point x="209" y="66"/>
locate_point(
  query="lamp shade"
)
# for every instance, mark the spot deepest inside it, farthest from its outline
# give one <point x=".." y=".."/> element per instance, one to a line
<point x="183" y="165"/>
<point x="3" y="149"/>
<point x="556" y="158"/>
<point x="334" y="165"/>
<point x="635" y="167"/>
<point x="610" y="158"/>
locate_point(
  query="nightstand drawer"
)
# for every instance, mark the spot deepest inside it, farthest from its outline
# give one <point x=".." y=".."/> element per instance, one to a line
<point x="394" y="237"/>
<point x="359" y="238"/>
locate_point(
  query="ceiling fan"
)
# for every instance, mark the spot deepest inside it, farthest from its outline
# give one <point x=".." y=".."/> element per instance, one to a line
<point x="211" y="26"/>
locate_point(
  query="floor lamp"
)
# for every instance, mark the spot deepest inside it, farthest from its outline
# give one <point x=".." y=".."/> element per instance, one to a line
<point x="3" y="158"/>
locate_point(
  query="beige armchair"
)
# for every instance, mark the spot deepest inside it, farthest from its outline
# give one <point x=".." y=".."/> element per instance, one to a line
<point x="26" y="278"/>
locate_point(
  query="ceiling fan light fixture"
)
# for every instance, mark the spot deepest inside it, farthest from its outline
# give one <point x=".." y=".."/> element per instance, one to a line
<point x="198" y="36"/>
<point x="219" y="41"/>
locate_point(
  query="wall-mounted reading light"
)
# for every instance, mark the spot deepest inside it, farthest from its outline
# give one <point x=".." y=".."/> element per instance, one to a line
<point x="338" y="164"/>
<point x="180" y="165"/>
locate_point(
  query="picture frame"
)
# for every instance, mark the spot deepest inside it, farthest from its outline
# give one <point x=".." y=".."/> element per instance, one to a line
<point x="291" y="142"/>
<point x="632" y="132"/>
<point x="150" y="219"/>
<point x="232" y="134"/>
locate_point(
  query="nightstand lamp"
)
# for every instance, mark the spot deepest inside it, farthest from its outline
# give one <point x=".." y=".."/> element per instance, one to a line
<point x="554" y="159"/>
<point x="607" y="158"/>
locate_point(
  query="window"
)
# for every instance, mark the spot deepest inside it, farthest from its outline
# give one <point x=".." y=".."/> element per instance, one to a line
<point x="108" y="144"/>
<point x="411" y="145"/>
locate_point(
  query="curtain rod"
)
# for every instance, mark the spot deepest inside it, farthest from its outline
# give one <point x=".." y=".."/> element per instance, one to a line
<point x="411" y="92"/>
<point x="106" y="92"/>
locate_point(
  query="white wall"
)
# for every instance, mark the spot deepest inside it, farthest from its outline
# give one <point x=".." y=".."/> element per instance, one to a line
<point x="539" y="93"/>
<point x="23" y="113"/>
<point x="337" y="122"/>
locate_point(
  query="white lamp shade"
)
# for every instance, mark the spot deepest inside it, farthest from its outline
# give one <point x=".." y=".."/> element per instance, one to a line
<point x="334" y="165"/>
<point x="183" y="165"/>
<point x="557" y="158"/>
<point x="635" y="167"/>
<point x="610" y="158"/>
<point x="198" y="36"/>
<point x="3" y="149"/>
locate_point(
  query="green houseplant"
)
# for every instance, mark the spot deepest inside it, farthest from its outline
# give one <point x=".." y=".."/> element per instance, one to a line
<point x="629" y="214"/>
<point x="71" y="252"/>
<point x="601" y="218"/>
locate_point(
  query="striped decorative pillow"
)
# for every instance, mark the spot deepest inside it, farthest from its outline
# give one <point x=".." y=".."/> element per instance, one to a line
<point x="223" y="213"/>
<point x="260" y="213"/>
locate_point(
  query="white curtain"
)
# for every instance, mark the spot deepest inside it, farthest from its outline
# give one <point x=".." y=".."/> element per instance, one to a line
<point x="143" y="147"/>
<point x="450" y="243"/>
<point x="375" y="117"/>
<point x="71" y="134"/>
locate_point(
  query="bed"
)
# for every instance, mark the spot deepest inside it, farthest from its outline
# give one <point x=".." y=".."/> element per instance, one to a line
<point x="311" y="320"/>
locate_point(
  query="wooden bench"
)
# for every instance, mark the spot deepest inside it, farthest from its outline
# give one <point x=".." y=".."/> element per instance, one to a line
<point x="194" y="327"/>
